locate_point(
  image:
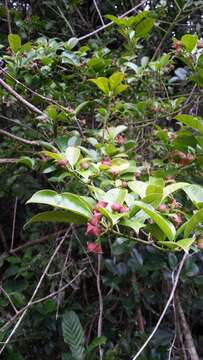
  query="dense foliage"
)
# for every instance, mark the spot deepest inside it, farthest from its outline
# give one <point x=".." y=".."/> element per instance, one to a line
<point x="101" y="165"/>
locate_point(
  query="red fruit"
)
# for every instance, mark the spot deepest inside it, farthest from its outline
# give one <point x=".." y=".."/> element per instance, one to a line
<point x="62" y="163"/>
<point x="124" y="184"/>
<point x="120" y="139"/>
<point x="94" y="248"/>
<point x="123" y="209"/>
<point x="116" y="207"/>
<point x="177" y="219"/>
<point x="101" y="204"/>
<point x="95" y="218"/>
<point x="176" y="204"/>
<point x="93" y="230"/>
<point x="106" y="162"/>
<point x="163" y="207"/>
<point x="138" y="173"/>
<point x="84" y="165"/>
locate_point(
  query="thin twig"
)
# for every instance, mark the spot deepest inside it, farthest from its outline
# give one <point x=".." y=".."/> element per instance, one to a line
<point x="35" y="291"/>
<point x="14" y="223"/>
<point x="101" y="306"/>
<point x="8" y="161"/>
<point x="165" y="308"/>
<point x="20" y="98"/>
<point x="9" y="299"/>
<point x="98" y="11"/>
<point x="8" y="17"/>
<point x="111" y="23"/>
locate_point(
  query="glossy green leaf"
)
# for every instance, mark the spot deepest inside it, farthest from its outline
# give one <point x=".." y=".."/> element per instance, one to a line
<point x="67" y="201"/>
<point x="102" y="83"/>
<point x="133" y="224"/>
<point x="192" y="121"/>
<point x="115" y="79"/>
<point x="166" y="226"/>
<point x="119" y="165"/>
<point x="14" y="42"/>
<point x="72" y="155"/>
<point x="195" y="193"/>
<point x="138" y="187"/>
<point x="194" y="221"/>
<point x="58" y="216"/>
<point x="183" y="244"/>
<point x="73" y="334"/>
<point x="170" y="189"/>
<point x="115" y="196"/>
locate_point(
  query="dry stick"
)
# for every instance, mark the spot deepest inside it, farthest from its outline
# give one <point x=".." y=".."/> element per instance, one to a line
<point x="8" y="161"/>
<point x="186" y="332"/>
<point x="35" y="292"/>
<point x="165" y="308"/>
<point x="101" y="306"/>
<point x="14" y="223"/>
<point x="111" y="23"/>
<point x="35" y="242"/>
<point x="98" y="11"/>
<point x="8" y="17"/>
<point x="17" y="138"/>
<point x="9" y="299"/>
<point x="20" y="98"/>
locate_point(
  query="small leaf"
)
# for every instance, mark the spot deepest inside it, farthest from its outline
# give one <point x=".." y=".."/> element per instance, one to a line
<point x="183" y="244"/>
<point x="72" y="155"/>
<point x="138" y="187"/>
<point x="14" y="42"/>
<point x="133" y="224"/>
<point x="102" y="83"/>
<point x="115" y="79"/>
<point x="115" y="196"/>
<point x="71" y="43"/>
<point x="189" y="41"/>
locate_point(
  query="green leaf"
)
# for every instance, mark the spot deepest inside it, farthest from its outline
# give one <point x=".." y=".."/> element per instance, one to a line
<point x="73" y="334"/>
<point x="144" y="27"/>
<point x="72" y="155"/>
<point x="119" y="165"/>
<point x="170" y="189"/>
<point x="112" y="217"/>
<point x="58" y="216"/>
<point x="133" y="224"/>
<point x="189" y="41"/>
<point x="115" y="79"/>
<point x="67" y="201"/>
<point x="183" y="244"/>
<point x="156" y="185"/>
<point x="166" y="226"/>
<point x="102" y="83"/>
<point x="120" y="89"/>
<point x="115" y="196"/>
<point x="196" y="219"/>
<point x="192" y="121"/>
<point x="14" y="42"/>
<point x="138" y="187"/>
<point x="195" y="193"/>
<point x="71" y="43"/>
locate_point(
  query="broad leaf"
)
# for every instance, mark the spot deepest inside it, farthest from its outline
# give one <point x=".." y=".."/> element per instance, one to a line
<point x="195" y="193"/>
<point x="170" y="189"/>
<point x="133" y="224"/>
<point x="119" y="165"/>
<point x="72" y="155"/>
<point x="115" y="196"/>
<point x="115" y="79"/>
<point x="196" y="219"/>
<point x="192" y="121"/>
<point x="14" y="42"/>
<point x="183" y="244"/>
<point x="166" y="226"/>
<point x="138" y="187"/>
<point x="102" y="83"/>
<point x="67" y="201"/>
<point x="73" y="334"/>
<point x="58" y="216"/>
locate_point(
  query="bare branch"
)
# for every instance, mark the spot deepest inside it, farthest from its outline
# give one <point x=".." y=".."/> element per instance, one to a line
<point x="111" y="23"/>
<point x="98" y="11"/>
<point x="165" y="308"/>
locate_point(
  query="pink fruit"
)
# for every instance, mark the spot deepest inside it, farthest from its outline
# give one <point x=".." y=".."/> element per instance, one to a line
<point x="116" y="207"/>
<point x="94" y="248"/>
<point x="93" y="230"/>
<point x="163" y="207"/>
